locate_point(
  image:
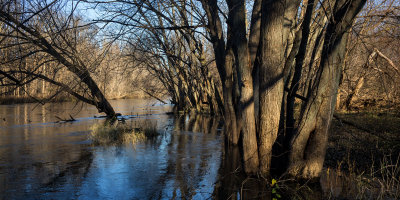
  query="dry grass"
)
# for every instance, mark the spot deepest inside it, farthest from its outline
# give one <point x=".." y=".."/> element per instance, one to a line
<point x="360" y="163"/>
<point x="382" y="182"/>
<point x="106" y="134"/>
<point x="133" y="137"/>
<point x="363" y="161"/>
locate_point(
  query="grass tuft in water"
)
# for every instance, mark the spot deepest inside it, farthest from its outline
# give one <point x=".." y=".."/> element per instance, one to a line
<point x="105" y="134"/>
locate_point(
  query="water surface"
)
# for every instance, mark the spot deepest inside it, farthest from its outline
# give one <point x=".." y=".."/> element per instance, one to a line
<point x="43" y="159"/>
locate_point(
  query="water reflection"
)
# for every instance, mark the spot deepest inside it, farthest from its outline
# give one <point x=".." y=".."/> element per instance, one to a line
<point x="40" y="159"/>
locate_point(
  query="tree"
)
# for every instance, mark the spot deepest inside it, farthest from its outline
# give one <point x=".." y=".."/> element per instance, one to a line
<point x="48" y="29"/>
<point x="307" y="140"/>
<point x="371" y="68"/>
<point x="289" y="46"/>
<point x="162" y="38"/>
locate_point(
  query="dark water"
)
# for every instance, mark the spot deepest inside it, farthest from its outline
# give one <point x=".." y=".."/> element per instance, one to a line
<point x="41" y="159"/>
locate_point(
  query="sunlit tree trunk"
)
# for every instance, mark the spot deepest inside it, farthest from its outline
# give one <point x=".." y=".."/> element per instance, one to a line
<point x="310" y="141"/>
<point x="277" y="18"/>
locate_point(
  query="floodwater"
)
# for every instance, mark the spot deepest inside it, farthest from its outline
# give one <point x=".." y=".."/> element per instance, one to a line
<point x="42" y="158"/>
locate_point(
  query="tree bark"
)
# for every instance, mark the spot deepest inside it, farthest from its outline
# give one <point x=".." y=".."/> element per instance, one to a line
<point x="245" y="114"/>
<point x="254" y="41"/>
<point x="309" y="144"/>
<point x="350" y="98"/>
<point x="229" y="109"/>
<point x="224" y="59"/>
<point x="274" y="34"/>
<point x="300" y="47"/>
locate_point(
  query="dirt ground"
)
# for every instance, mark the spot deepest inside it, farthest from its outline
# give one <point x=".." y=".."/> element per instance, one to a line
<point x="360" y="140"/>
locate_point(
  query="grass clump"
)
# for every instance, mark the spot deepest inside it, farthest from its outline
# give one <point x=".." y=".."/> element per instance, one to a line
<point x="134" y="137"/>
<point x="382" y="181"/>
<point x="105" y="134"/>
<point x="364" y="152"/>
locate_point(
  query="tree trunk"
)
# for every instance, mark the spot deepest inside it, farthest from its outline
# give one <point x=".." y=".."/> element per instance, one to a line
<point x="229" y="109"/>
<point x="354" y="93"/>
<point x="309" y="144"/>
<point x="102" y="104"/>
<point x="224" y="59"/>
<point x="245" y="114"/>
<point x="274" y="33"/>
<point x="254" y="47"/>
<point x="299" y="50"/>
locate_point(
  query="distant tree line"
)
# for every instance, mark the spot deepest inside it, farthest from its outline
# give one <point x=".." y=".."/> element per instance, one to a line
<point x="48" y="50"/>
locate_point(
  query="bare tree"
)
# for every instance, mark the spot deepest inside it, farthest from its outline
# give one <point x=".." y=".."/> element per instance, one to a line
<point x="164" y="39"/>
<point x="290" y="50"/>
<point x="308" y="137"/>
<point x="52" y="30"/>
<point x="372" y="64"/>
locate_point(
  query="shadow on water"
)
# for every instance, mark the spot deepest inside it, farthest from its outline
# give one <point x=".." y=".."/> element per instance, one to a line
<point x="44" y="160"/>
<point x="187" y="160"/>
<point x="232" y="182"/>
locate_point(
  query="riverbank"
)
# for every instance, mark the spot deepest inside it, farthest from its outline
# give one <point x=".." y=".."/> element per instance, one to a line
<point x="8" y="100"/>
<point x="363" y="156"/>
<point x="362" y="162"/>
<point x="364" y="138"/>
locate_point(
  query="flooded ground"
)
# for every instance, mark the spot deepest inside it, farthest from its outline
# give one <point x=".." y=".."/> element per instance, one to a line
<point x="42" y="159"/>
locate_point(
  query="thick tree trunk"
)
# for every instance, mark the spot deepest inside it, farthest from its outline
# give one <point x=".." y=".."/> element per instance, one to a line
<point x="274" y="33"/>
<point x="245" y="114"/>
<point x="229" y="109"/>
<point x="309" y="144"/>
<point x="296" y="57"/>
<point x="102" y="104"/>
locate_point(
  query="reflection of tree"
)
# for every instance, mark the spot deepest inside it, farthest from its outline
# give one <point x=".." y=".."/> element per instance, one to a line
<point x="44" y="174"/>
<point x="233" y="183"/>
<point x="77" y="169"/>
<point x="191" y="153"/>
<point x="229" y="177"/>
<point x="182" y="163"/>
